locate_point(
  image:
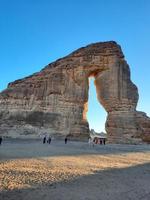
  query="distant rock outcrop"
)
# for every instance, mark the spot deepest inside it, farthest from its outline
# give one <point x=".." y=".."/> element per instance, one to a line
<point x="55" y="99"/>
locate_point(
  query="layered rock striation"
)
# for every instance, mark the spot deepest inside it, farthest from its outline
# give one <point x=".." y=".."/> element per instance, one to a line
<point x="54" y="100"/>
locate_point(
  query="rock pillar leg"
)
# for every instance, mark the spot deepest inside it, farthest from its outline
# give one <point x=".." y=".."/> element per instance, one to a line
<point x="119" y="97"/>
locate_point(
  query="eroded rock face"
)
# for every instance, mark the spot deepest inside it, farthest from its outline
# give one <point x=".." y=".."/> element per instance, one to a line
<point x="54" y="100"/>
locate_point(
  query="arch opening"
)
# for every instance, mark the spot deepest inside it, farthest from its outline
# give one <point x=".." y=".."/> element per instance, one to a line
<point x="95" y="113"/>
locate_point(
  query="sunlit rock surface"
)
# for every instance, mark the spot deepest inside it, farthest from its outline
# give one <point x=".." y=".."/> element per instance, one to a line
<point x="54" y="100"/>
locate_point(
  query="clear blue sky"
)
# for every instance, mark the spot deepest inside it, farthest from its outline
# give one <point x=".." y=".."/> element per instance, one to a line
<point x="34" y="33"/>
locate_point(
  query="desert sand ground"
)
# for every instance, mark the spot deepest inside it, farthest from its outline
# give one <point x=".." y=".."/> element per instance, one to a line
<point x="30" y="170"/>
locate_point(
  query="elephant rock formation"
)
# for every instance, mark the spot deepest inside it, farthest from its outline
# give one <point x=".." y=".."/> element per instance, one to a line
<point x="55" y="99"/>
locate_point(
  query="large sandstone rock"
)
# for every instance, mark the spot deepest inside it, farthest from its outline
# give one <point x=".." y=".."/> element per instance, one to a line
<point x="55" y="99"/>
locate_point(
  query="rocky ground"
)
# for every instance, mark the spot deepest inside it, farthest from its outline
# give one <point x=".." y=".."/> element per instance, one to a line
<point x="32" y="170"/>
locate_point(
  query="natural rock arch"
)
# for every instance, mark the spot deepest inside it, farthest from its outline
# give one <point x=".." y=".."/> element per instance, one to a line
<point x="56" y="97"/>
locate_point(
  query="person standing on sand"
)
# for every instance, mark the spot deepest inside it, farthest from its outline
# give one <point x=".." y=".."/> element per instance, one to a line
<point x="66" y="139"/>
<point x="49" y="140"/>
<point x="1" y="140"/>
<point x="101" y="141"/>
<point x="89" y="141"/>
<point x="44" y="140"/>
<point x="104" y="141"/>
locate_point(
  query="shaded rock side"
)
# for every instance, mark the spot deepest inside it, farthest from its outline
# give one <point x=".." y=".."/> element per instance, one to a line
<point x="54" y="100"/>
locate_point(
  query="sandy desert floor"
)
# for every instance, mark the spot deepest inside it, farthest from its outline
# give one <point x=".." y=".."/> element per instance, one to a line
<point x="30" y="170"/>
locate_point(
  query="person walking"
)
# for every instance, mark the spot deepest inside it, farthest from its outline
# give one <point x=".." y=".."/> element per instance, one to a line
<point x="101" y="141"/>
<point x="104" y="141"/>
<point x="66" y="140"/>
<point x="89" y="141"/>
<point x="44" y="140"/>
<point x="49" y="140"/>
<point x="1" y="140"/>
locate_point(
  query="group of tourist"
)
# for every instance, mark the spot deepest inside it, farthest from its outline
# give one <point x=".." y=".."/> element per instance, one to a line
<point x="96" y="140"/>
<point x="49" y="139"/>
<point x="99" y="140"/>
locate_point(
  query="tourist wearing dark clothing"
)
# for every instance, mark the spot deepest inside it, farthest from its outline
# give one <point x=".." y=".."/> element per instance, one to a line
<point x="49" y="140"/>
<point x="66" y="139"/>
<point x="1" y="140"/>
<point x="44" y="139"/>
<point x="104" y="141"/>
<point x="101" y="141"/>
